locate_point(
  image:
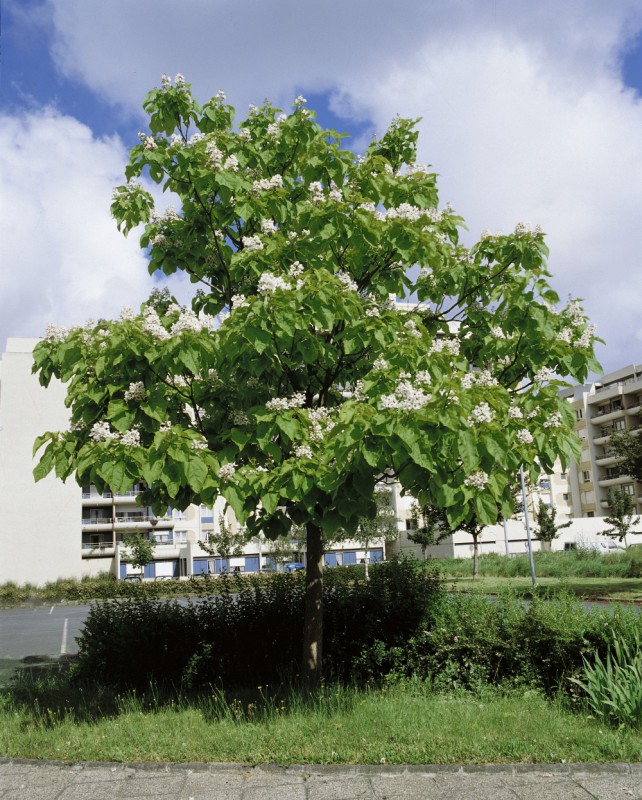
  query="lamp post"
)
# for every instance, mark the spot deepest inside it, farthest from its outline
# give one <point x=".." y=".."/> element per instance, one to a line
<point x="528" y="527"/>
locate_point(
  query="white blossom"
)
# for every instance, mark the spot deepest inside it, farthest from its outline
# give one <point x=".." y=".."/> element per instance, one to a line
<point x="296" y="268"/>
<point x="480" y="414"/>
<point x="586" y="337"/>
<point x="411" y="326"/>
<point x="299" y="101"/>
<point x="268" y="226"/>
<point x="406" y="397"/>
<point x="372" y="312"/>
<point x="316" y="192"/>
<point x="220" y="96"/>
<point x="166" y="81"/>
<point x="270" y="283"/>
<point x="423" y="376"/>
<point x="265" y="184"/>
<point x="56" y="333"/>
<point x="153" y="325"/>
<point x="179" y="79"/>
<point x="543" y="375"/>
<point x="497" y="332"/>
<point x="239" y="301"/>
<point x="160" y="240"/>
<point x="239" y="417"/>
<point x="136" y="392"/>
<point x="302" y="451"/>
<point x="380" y="363"/>
<point x="131" y="438"/>
<point x="477" y="480"/>
<point x="165" y="427"/>
<point x="252" y="243"/>
<point x="554" y="421"/>
<point x="348" y="283"/>
<point x="443" y="345"/>
<point x="297" y="400"/>
<point x="226" y="472"/>
<point x="101" y="432"/>
<point x="524" y="436"/>
<point x="171" y="214"/>
<point x="231" y="164"/>
<point x="245" y="134"/>
<point x="198" y="444"/>
<point x="514" y="412"/>
<point x="215" y="156"/>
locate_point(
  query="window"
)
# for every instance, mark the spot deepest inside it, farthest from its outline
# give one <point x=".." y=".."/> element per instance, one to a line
<point x="590" y="513"/>
<point x="619" y="425"/>
<point x="411" y="524"/>
<point x="563" y="476"/>
<point x="586" y="476"/>
<point x="565" y="495"/>
<point x="628" y="489"/>
<point x="579" y="414"/>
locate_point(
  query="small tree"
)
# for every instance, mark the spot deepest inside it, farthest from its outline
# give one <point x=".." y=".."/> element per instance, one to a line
<point x="629" y="449"/>
<point x="474" y="527"/>
<point x="621" y="515"/>
<point x="140" y="549"/>
<point x="292" y="382"/>
<point x="280" y="550"/>
<point x="383" y="524"/>
<point x="429" y="526"/>
<point x="547" y="529"/>
<point x="225" y="542"/>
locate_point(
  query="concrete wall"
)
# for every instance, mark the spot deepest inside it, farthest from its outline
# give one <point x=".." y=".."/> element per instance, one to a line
<point x="39" y="522"/>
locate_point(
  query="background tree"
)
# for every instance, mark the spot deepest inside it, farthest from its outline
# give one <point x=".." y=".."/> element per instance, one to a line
<point x="292" y="382"/>
<point x="429" y="526"/>
<point x="382" y="525"/>
<point x="628" y="448"/>
<point x="225" y="542"/>
<point x="621" y="516"/>
<point x="140" y="550"/>
<point x="547" y="529"/>
<point x="474" y="527"/>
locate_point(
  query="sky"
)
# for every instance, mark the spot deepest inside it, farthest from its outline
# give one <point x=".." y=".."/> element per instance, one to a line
<point x="531" y="111"/>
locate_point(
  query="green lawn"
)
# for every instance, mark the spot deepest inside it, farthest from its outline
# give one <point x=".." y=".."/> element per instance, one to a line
<point x="401" y="724"/>
<point x="624" y="589"/>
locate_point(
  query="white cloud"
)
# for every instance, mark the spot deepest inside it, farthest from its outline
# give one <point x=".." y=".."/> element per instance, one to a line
<point x="63" y="260"/>
<point x="525" y="115"/>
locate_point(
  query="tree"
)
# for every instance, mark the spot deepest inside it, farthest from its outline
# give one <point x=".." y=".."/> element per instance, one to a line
<point x="140" y="550"/>
<point x="293" y="382"/>
<point x="621" y="516"/>
<point x="383" y="524"/>
<point x="429" y="526"/>
<point x="628" y="448"/>
<point x="225" y="542"/>
<point x="473" y="526"/>
<point x="547" y="529"/>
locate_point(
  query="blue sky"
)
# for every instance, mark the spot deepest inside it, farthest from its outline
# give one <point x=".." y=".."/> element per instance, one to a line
<point x="531" y="111"/>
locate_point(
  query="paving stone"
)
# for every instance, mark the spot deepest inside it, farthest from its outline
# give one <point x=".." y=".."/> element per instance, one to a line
<point x="150" y="785"/>
<point x="613" y="787"/>
<point x="345" y="787"/>
<point x="406" y="787"/>
<point x="90" y="791"/>
<point x="565" y="789"/>
<point x="479" y="787"/>
<point x="275" y="792"/>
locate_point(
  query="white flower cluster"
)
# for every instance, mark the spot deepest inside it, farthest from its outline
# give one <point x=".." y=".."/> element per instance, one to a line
<point x="586" y="337"/>
<point x="166" y="81"/>
<point x="149" y="143"/>
<point x="160" y="240"/>
<point x="101" y="432"/>
<point x="348" y="283"/>
<point x="320" y="423"/>
<point x="165" y="427"/>
<point x="425" y="272"/>
<point x="265" y="184"/>
<point x="189" y="321"/>
<point x="215" y="156"/>
<point x="226" y="472"/>
<point x="497" y="332"/>
<point x="231" y="164"/>
<point x="477" y="480"/>
<point x="239" y="301"/>
<point x="245" y="134"/>
<point x="131" y="187"/>
<point x="406" y="397"/>
<point x="316" y="192"/>
<point x="368" y="207"/>
<point x="335" y="194"/>
<point x="131" y="438"/>
<point x="195" y="138"/>
<point x="413" y="169"/>
<point x="373" y="311"/>
<point x="443" y="345"/>
<point x="554" y="421"/>
<point x="153" y="325"/>
<point x="270" y="283"/>
<point x="302" y="451"/>
<point x="252" y="243"/>
<point x="296" y="268"/>
<point x="423" y="376"/>
<point x="404" y="211"/>
<point x="284" y="403"/>
<point x="56" y="333"/>
<point x="171" y="215"/>
<point x="543" y="375"/>
<point x="380" y="363"/>
<point x="239" y="418"/>
<point x="136" y="392"/>
<point x="481" y="378"/>
<point x="480" y="414"/>
<point x="514" y="412"/>
<point x="524" y="436"/>
<point x="411" y="326"/>
<point x="127" y="314"/>
<point x="198" y="444"/>
<point x="525" y="227"/>
<point x="268" y="226"/>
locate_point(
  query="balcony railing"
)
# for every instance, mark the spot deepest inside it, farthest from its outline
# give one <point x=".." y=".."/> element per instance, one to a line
<point x="123" y="519"/>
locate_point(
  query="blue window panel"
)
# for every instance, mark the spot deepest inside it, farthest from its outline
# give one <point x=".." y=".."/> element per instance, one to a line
<point x="350" y="558"/>
<point x="376" y="556"/>
<point x="150" y="570"/>
<point x="200" y="566"/>
<point x="251" y="563"/>
<point x="123" y="571"/>
<point x="222" y="565"/>
<point x="330" y="559"/>
<point x="207" y="519"/>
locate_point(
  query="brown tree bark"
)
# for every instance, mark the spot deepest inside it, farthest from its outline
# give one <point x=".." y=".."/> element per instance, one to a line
<point x="313" y="619"/>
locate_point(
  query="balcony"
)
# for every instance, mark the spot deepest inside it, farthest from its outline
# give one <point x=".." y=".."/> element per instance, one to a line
<point x="607" y="415"/>
<point x="607" y="459"/>
<point x="614" y="480"/>
<point x="133" y="522"/>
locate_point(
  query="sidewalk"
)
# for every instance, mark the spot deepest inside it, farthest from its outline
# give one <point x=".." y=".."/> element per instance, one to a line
<point x="34" y="780"/>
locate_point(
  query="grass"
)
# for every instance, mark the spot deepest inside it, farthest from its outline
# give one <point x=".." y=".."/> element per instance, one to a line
<point x="399" y="723"/>
<point x="621" y="589"/>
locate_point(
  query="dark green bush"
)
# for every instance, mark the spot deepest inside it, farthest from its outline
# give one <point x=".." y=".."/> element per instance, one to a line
<point x="250" y="633"/>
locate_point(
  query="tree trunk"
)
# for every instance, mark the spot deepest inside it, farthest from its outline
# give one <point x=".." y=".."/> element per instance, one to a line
<point x="475" y="557"/>
<point x="313" y="619"/>
<point x="366" y="562"/>
<point x="545" y="547"/>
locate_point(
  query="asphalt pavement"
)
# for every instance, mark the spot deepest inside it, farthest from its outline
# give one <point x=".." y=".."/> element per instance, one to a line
<point x="31" y="780"/>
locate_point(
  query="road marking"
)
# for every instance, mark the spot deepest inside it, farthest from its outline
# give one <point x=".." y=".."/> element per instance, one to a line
<point x="51" y="610"/>
<point x="63" y="646"/>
